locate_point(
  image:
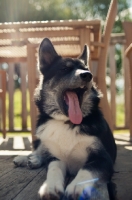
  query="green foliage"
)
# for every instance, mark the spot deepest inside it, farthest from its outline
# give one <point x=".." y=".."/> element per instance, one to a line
<point x="38" y="10"/>
<point x="89" y="9"/>
<point x="32" y="10"/>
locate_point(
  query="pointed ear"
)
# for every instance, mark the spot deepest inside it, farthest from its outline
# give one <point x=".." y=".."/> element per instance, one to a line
<point x="47" y="54"/>
<point x="85" y="55"/>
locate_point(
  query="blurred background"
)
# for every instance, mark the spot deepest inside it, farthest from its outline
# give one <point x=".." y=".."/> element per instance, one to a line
<point x="41" y="10"/>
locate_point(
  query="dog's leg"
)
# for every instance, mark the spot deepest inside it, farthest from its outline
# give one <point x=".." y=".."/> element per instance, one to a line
<point x="53" y="187"/>
<point x="20" y="161"/>
<point x="33" y="161"/>
<point x="91" y="181"/>
<point x="86" y="186"/>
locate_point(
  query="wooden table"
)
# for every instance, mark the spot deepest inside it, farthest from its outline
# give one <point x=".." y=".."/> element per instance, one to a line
<point x="19" y="43"/>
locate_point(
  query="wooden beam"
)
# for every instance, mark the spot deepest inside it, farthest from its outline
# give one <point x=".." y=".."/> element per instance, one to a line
<point x="39" y="34"/>
<point x="53" y="23"/>
<point x="13" y="60"/>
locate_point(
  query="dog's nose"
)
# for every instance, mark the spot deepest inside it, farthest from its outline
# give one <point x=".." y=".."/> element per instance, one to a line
<point x="86" y="76"/>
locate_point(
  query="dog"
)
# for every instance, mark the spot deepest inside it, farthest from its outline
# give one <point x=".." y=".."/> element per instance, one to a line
<point x="73" y="136"/>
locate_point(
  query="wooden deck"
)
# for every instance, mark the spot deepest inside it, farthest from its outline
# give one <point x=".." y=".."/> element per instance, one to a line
<point x="23" y="183"/>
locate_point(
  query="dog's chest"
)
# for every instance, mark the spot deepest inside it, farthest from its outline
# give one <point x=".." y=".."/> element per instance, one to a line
<point x="65" y="143"/>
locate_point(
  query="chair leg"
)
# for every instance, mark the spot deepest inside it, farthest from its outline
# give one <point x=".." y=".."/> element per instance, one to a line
<point x="4" y="118"/>
<point x="106" y="112"/>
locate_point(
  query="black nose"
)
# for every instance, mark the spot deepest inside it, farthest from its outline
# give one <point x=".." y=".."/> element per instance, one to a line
<point x="86" y="76"/>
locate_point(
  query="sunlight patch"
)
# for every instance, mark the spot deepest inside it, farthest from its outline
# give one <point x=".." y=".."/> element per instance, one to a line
<point x="14" y="153"/>
<point x="121" y="142"/>
<point x="18" y="143"/>
<point x="128" y="147"/>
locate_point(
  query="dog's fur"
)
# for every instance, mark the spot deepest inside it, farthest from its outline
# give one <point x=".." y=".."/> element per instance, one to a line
<point x="69" y="141"/>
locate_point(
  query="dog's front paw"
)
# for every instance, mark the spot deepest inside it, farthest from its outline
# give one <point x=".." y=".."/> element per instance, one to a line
<point x="20" y="161"/>
<point x="51" y="190"/>
<point x="75" y="191"/>
<point x="82" y="187"/>
<point x="86" y="191"/>
<point x="34" y="161"/>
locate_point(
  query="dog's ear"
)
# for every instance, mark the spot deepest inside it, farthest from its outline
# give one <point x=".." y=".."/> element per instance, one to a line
<point x="47" y="54"/>
<point x="85" y="55"/>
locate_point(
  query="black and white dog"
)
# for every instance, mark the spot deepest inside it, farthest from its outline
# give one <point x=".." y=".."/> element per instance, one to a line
<point x="73" y="136"/>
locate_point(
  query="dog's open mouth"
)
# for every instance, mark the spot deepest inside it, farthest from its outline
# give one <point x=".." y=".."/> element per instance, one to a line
<point x="73" y="100"/>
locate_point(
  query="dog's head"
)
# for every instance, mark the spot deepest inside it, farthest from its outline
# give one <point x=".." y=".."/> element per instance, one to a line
<point x="65" y="90"/>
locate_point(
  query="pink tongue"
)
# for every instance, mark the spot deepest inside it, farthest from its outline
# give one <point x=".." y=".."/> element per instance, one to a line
<point x="74" y="112"/>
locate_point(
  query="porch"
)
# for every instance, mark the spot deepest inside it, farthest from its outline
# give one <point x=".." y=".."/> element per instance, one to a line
<point x="23" y="183"/>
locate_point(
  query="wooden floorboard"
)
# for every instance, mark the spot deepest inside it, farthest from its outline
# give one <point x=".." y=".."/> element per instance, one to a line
<point x="15" y="181"/>
<point x="123" y="173"/>
<point x="32" y="188"/>
<point x="8" y="143"/>
<point x="6" y="165"/>
<point x="23" y="183"/>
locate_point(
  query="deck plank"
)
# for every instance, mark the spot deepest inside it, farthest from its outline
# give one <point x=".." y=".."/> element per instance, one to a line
<point x="7" y="143"/>
<point x="27" y="143"/>
<point x="31" y="190"/>
<point x="13" y="182"/>
<point x="123" y="173"/>
<point x="5" y="165"/>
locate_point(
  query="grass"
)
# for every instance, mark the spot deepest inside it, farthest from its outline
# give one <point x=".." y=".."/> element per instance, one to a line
<point x="120" y="114"/>
<point x="17" y="110"/>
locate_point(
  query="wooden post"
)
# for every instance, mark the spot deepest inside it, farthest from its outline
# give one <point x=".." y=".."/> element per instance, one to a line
<point x="112" y="65"/>
<point x="0" y="101"/>
<point x="128" y="28"/>
<point x="3" y="100"/>
<point x="23" y="72"/>
<point x="101" y="72"/>
<point x="125" y="65"/>
<point x="11" y="95"/>
<point x="31" y="63"/>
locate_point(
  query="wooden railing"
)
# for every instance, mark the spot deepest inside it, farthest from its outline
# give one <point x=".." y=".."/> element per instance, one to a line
<point x="117" y="42"/>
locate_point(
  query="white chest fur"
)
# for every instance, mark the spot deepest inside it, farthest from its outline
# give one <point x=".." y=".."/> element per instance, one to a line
<point x="65" y="143"/>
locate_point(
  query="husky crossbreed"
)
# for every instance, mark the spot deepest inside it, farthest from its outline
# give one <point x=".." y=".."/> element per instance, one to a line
<point x="73" y="138"/>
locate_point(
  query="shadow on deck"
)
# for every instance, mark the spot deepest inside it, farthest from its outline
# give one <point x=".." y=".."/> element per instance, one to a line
<point x="23" y="183"/>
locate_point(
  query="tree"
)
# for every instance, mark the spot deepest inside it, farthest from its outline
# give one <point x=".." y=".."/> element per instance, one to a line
<point x="89" y="9"/>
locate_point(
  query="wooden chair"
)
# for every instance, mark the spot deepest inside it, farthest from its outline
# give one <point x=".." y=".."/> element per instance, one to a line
<point x="3" y="100"/>
<point x="102" y="47"/>
<point x="128" y="34"/>
<point x="102" y="62"/>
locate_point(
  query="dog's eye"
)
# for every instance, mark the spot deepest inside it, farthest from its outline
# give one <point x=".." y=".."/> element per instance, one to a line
<point x="66" y="68"/>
